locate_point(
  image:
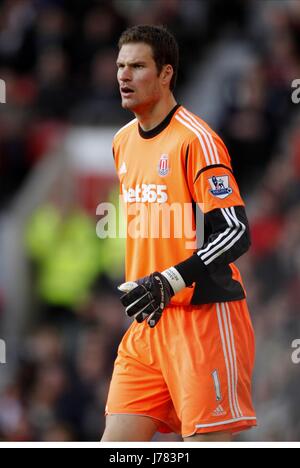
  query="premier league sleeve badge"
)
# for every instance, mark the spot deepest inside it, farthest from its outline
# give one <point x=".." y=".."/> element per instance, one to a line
<point x="220" y="186"/>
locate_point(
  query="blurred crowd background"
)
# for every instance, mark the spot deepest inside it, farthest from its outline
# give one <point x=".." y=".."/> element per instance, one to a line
<point x="59" y="310"/>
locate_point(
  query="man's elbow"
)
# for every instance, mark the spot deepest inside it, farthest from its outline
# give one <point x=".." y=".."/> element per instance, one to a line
<point x="246" y="242"/>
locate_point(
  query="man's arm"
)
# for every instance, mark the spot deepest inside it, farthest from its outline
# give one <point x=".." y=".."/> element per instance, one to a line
<point x="229" y="239"/>
<point x="226" y="231"/>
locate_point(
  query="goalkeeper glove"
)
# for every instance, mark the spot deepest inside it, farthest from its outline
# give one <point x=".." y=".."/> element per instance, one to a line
<point x="147" y="297"/>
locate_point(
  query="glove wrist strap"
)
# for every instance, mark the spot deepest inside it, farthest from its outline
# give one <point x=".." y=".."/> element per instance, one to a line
<point x="175" y="279"/>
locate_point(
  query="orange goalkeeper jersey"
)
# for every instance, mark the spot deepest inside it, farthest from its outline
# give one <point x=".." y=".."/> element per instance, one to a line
<point x="164" y="173"/>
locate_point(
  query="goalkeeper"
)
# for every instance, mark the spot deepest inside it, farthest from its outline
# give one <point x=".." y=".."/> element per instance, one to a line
<point x="185" y="364"/>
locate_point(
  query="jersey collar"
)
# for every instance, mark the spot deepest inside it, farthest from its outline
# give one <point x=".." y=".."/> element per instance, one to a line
<point x="160" y="127"/>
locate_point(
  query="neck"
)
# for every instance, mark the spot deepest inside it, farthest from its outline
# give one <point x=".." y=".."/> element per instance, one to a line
<point x="156" y="114"/>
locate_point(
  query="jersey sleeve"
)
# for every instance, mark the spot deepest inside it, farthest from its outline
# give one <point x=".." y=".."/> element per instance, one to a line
<point x="226" y="229"/>
<point x="211" y="180"/>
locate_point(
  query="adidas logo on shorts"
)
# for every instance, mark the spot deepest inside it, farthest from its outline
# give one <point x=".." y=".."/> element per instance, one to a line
<point x="219" y="411"/>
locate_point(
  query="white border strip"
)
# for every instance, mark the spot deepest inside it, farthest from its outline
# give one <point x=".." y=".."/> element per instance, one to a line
<point x="234" y="356"/>
<point x="187" y="125"/>
<point x="125" y="126"/>
<point x="238" y="231"/>
<point x="206" y="131"/>
<point x="199" y="128"/>
<point x="229" y="380"/>
<point x="229" y="421"/>
<point x="232" y="360"/>
<point x="182" y="445"/>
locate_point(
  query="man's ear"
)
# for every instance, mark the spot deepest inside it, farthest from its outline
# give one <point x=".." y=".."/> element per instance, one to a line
<point x="166" y="74"/>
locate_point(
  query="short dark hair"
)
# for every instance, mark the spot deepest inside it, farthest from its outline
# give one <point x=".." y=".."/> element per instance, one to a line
<point x="163" y="44"/>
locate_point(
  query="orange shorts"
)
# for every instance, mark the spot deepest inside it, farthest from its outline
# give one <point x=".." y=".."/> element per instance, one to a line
<point x="192" y="372"/>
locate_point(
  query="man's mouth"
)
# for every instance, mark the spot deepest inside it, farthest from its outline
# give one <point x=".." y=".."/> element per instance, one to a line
<point x="126" y="91"/>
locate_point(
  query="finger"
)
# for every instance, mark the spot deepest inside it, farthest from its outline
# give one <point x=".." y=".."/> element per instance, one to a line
<point x="144" y="314"/>
<point x="126" y="287"/>
<point x="140" y="304"/>
<point x="154" y="318"/>
<point x="133" y="295"/>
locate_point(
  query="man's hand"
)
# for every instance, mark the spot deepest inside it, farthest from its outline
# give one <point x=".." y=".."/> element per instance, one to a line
<point x="147" y="298"/>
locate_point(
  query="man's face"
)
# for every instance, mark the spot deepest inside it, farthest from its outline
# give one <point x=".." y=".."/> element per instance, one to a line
<point x="140" y="85"/>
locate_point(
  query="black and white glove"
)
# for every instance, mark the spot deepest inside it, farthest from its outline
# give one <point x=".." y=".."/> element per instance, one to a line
<point x="146" y="298"/>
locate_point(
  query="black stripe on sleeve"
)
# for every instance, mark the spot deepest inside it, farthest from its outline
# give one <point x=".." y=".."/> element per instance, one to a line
<point x="213" y="166"/>
<point x="186" y="158"/>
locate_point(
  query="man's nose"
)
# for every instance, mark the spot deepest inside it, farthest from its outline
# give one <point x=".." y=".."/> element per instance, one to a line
<point x="125" y="74"/>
